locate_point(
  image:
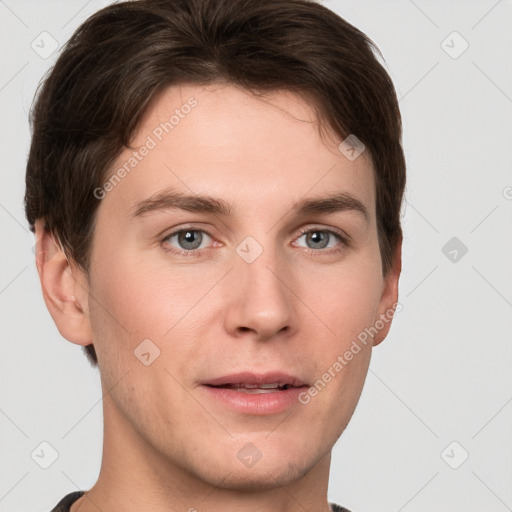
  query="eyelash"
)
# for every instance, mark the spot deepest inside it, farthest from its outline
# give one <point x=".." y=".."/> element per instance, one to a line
<point x="314" y="252"/>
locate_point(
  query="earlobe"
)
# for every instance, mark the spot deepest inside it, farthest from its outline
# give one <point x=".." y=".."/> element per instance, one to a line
<point x="389" y="300"/>
<point x="64" y="287"/>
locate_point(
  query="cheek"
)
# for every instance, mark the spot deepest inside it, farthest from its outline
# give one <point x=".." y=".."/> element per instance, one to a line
<point x="132" y="311"/>
<point x="346" y="300"/>
<point x="136" y="301"/>
<point x="137" y="298"/>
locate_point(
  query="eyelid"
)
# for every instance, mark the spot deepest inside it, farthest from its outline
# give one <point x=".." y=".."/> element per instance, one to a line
<point x="345" y="237"/>
<point x="167" y="233"/>
<point x="168" y="248"/>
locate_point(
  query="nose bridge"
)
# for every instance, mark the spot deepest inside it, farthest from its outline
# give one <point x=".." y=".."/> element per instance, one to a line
<point x="261" y="300"/>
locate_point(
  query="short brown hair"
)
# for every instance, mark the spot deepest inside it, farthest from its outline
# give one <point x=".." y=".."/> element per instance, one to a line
<point x="90" y="103"/>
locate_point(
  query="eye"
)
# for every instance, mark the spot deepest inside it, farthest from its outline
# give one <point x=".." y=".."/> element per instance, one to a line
<point x="186" y="240"/>
<point x="193" y="242"/>
<point x="316" y="239"/>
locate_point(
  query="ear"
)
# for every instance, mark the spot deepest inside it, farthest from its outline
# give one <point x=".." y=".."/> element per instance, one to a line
<point x="65" y="288"/>
<point x="389" y="299"/>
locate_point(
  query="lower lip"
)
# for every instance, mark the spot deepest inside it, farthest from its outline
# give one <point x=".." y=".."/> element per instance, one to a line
<point x="273" y="402"/>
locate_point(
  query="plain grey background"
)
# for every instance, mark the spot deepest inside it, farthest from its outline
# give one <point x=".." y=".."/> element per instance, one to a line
<point x="432" y="430"/>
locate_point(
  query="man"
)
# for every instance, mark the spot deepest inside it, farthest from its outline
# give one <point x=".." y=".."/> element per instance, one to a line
<point x="215" y="189"/>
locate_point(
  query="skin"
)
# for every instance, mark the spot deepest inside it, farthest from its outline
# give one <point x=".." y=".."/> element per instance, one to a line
<point x="296" y="308"/>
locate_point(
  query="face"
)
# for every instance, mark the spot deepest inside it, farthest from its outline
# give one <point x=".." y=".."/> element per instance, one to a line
<point x="266" y="274"/>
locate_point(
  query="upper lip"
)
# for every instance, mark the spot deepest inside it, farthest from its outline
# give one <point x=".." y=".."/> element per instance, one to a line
<point x="255" y="379"/>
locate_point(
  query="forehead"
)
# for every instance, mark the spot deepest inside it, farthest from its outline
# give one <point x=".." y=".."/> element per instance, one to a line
<point x="254" y="151"/>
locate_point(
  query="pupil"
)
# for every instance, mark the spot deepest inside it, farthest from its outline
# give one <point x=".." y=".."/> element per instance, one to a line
<point x="187" y="239"/>
<point x="318" y="238"/>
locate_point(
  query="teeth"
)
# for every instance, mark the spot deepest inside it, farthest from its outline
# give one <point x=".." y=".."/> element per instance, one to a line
<point x="268" y="386"/>
<point x="257" y="388"/>
<point x="260" y="386"/>
<point x="255" y="391"/>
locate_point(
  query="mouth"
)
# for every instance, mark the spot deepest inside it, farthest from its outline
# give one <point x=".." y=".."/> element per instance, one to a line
<point x="255" y="388"/>
<point x="255" y="394"/>
<point x="252" y="382"/>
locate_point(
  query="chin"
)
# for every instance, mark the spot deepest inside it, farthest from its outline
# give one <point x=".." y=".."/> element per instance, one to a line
<point x="261" y="476"/>
<point x="276" y="467"/>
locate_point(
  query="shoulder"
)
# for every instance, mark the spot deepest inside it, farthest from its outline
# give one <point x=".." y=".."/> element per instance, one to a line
<point x="337" y="508"/>
<point x="66" y="502"/>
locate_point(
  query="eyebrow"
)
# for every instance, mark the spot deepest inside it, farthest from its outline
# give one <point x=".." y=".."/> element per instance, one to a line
<point x="170" y="199"/>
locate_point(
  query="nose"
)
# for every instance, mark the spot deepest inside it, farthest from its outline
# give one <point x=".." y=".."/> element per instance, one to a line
<point x="260" y="303"/>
